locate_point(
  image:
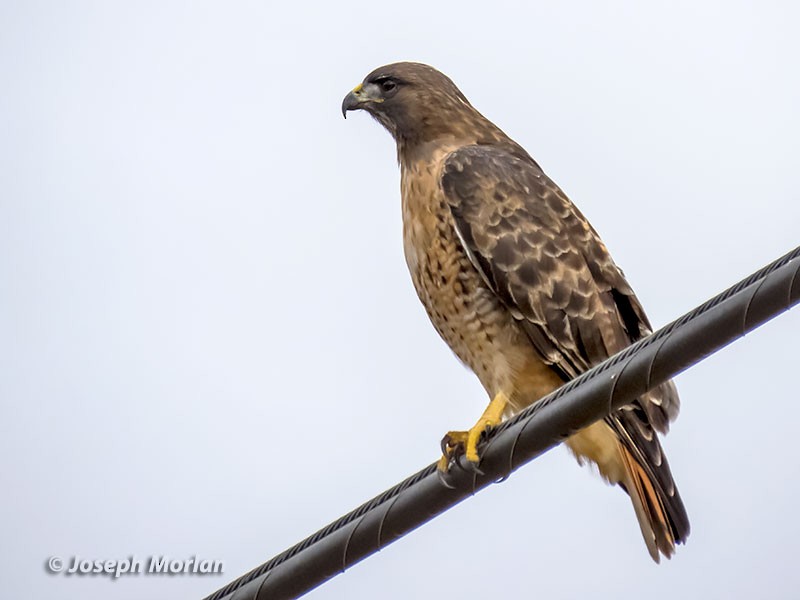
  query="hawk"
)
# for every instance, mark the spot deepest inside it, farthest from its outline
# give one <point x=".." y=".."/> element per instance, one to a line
<point x="518" y="283"/>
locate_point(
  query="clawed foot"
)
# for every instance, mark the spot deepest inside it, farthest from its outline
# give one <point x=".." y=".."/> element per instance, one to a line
<point x="456" y="443"/>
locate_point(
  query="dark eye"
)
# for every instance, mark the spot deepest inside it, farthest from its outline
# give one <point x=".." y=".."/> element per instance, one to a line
<point x="387" y="85"/>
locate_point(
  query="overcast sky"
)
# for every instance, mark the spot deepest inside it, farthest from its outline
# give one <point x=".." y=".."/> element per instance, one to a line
<point x="209" y="342"/>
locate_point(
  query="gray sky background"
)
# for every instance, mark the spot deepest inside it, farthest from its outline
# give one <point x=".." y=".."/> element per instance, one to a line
<point x="209" y="341"/>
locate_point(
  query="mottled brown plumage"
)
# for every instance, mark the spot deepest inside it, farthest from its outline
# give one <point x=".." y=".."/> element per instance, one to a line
<point x="517" y="282"/>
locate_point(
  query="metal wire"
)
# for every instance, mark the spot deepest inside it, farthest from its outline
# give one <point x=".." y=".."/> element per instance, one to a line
<point x="584" y="400"/>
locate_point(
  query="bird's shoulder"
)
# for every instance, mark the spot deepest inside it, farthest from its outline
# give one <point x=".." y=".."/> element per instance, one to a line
<point x="522" y="230"/>
<point x="503" y="186"/>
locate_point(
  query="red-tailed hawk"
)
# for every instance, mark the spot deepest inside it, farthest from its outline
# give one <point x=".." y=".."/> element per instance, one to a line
<point x="518" y="283"/>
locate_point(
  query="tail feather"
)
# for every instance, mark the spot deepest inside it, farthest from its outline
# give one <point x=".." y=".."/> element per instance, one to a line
<point x="643" y="472"/>
<point x="655" y="524"/>
<point x="648" y="480"/>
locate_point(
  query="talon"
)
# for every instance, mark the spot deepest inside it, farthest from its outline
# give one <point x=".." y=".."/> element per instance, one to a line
<point x="457" y="443"/>
<point x="446" y="445"/>
<point x="458" y="464"/>
<point x="454" y="443"/>
<point x="441" y="473"/>
<point x="452" y="447"/>
<point x="470" y="467"/>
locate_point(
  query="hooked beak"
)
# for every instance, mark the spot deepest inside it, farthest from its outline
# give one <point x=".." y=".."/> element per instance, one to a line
<point x="361" y="96"/>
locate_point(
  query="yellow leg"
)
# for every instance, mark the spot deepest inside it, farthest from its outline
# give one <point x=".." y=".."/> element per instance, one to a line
<point x="468" y="440"/>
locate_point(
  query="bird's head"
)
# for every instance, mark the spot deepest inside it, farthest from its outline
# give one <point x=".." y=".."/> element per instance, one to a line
<point x="414" y="102"/>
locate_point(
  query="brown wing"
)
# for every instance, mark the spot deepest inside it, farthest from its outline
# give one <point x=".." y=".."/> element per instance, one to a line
<point x="538" y="253"/>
